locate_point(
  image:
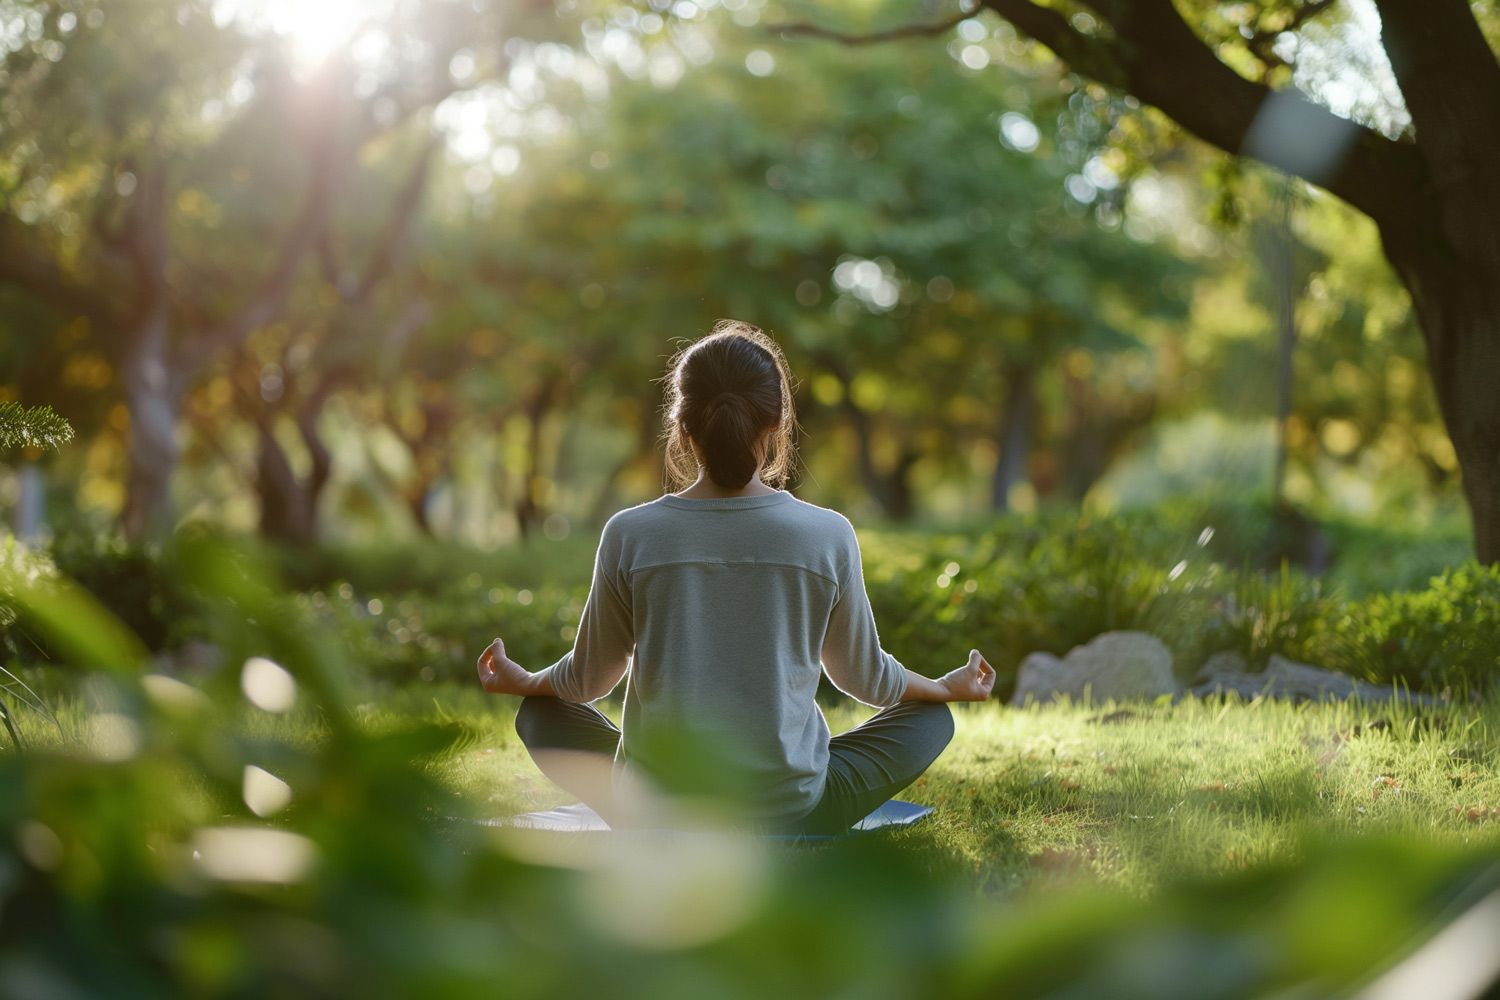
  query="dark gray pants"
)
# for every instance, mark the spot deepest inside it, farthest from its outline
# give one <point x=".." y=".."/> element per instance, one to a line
<point x="866" y="766"/>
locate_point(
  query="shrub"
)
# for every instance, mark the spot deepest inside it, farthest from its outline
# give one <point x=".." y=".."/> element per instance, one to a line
<point x="432" y="566"/>
<point x="1444" y="637"/>
<point x="413" y="636"/>
<point x="137" y="583"/>
<point x="1040" y="584"/>
<point x="1259" y="616"/>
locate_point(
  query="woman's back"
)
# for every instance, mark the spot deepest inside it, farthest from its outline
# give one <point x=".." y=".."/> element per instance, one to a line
<point x="734" y="605"/>
<point x="723" y="604"/>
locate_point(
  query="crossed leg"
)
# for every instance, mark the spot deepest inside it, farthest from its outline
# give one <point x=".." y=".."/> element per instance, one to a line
<point x="873" y="761"/>
<point x="574" y="745"/>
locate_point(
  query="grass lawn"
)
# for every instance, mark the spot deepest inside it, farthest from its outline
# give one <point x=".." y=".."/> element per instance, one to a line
<point x="1215" y="848"/>
<point x="1130" y="796"/>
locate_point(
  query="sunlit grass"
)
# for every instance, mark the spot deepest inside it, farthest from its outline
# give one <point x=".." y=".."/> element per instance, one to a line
<point x="1129" y="796"/>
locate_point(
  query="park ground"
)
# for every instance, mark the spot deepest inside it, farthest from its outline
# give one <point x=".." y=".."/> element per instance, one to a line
<point x="332" y="739"/>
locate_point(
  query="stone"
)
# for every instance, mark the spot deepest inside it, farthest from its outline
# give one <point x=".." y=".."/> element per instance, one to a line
<point x="1224" y="673"/>
<point x="1116" y="665"/>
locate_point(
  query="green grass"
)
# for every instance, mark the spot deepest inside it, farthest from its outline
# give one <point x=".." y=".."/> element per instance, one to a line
<point x="1067" y="838"/>
<point x="1126" y="796"/>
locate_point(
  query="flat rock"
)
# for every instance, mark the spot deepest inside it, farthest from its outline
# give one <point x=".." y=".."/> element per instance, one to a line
<point x="1224" y="673"/>
<point x="1118" y="665"/>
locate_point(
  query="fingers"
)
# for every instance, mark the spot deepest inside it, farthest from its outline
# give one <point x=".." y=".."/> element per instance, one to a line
<point x="486" y="663"/>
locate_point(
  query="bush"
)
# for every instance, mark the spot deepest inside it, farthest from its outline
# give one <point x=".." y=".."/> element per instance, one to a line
<point x="1054" y="581"/>
<point x="1380" y="558"/>
<point x="1186" y="572"/>
<point x="413" y="636"/>
<point x="433" y="567"/>
<point x="1259" y="616"/>
<point x="137" y="583"/>
<point x="1446" y="637"/>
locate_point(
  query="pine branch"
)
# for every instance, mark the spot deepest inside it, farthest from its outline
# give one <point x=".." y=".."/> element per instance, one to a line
<point x="32" y="427"/>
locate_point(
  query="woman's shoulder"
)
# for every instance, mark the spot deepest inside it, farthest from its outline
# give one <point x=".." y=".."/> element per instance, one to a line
<point x="825" y="518"/>
<point x="631" y="518"/>
<point x="791" y="510"/>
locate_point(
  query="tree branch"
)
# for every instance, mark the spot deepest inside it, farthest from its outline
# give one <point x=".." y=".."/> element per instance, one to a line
<point x="403" y="210"/>
<point x="1153" y="54"/>
<point x="918" y="30"/>
<point x="268" y="301"/>
<point x="1157" y="57"/>
<point x="324" y="131"/>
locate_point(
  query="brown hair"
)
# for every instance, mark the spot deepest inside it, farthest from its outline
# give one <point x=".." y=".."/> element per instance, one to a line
<point x="724" y="391"/>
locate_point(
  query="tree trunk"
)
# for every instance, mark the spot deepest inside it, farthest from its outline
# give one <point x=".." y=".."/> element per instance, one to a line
<point x="153" y="404"/>
<point x="1443" y="237"/>
<point x="875" y="484"/>
<point x="900" y="503"/>
<point x="529" y="508"/>
<point x="1457" y="299"/>
<point x="1279" y="262"/>
<point x="1096" y="435"/>
<point x="416" y="496"/>
<point x="1017" y="424"/>
<point x="153" y="394"/>
<point x="288" y="511"/>
<point x="605" y="501"/>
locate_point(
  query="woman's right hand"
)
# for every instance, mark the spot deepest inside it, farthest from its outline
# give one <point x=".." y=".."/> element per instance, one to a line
<point x="971" y="682"/>
<point x="499" y="674"/>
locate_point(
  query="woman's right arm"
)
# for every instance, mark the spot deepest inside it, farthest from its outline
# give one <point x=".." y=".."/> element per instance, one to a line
<point x="971" y="682"/>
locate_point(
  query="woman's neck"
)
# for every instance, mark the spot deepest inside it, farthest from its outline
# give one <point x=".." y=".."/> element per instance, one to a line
<point x="705" y="488"/>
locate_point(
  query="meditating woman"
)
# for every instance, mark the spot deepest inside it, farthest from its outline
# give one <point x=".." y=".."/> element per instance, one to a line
<point x="724" y="602"/>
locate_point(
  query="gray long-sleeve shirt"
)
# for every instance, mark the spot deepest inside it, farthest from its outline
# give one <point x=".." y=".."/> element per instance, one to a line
<point x="725" y="612"/>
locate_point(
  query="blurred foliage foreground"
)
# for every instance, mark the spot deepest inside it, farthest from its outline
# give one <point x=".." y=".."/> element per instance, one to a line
<point x="187" y="839"/>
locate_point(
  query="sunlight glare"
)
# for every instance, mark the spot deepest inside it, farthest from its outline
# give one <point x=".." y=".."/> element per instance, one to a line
<point x="316" y="30"/>
<point x="313" y="31"/>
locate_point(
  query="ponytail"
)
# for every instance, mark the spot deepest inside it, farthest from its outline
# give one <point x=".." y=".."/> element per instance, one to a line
<point x="728" y="392"/>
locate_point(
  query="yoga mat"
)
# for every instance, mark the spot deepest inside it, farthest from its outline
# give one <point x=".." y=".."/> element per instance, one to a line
<point x="579" y="818"/>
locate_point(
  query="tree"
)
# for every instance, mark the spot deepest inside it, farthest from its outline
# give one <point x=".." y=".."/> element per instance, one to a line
<point x="923" y="261"/>
<point x="136" y="138"/>
<point x="1432" y="191"/>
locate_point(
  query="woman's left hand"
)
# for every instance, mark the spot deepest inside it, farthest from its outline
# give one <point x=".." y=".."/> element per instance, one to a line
<point x="499" y="674"/>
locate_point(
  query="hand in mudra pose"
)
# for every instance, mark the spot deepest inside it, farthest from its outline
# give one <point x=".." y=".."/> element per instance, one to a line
<point x="499" y="674"/>
<point x="971" y="682"/>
